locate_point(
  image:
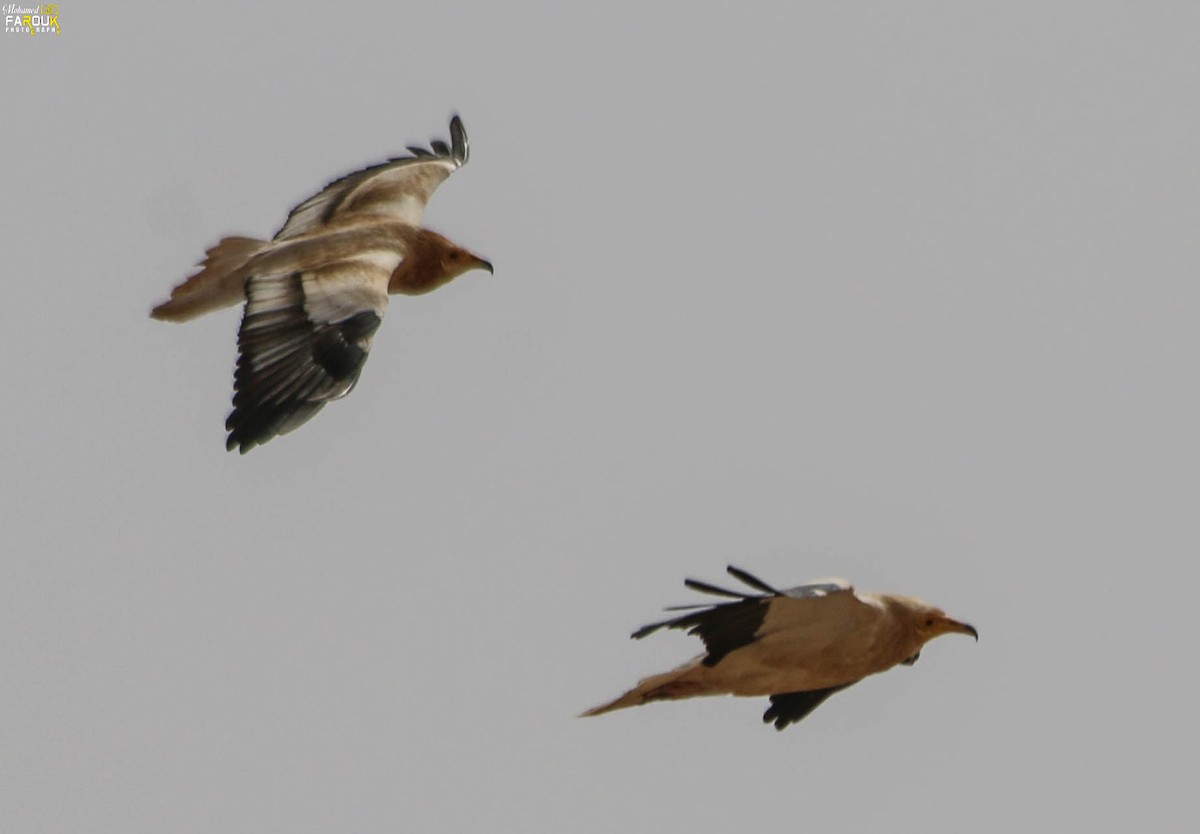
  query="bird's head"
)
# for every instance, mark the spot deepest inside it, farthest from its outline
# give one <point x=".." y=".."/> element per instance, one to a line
<point x="456" y="261"/>
<point x="932" y="622"/>
<point x="432" y="261"/>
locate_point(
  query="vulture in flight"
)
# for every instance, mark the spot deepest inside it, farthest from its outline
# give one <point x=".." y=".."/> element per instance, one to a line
<point x="316" y="293"/>
<point x="797" y="646"/>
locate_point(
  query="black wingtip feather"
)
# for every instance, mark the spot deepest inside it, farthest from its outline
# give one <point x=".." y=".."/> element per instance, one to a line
<point x="457" y="149"/>
<point x="723" y="626"/>
<point x="649" y="629"/>
<point x="705" y="588"/>
<point x="458" y="140"/>
<point x="751" y="580"/>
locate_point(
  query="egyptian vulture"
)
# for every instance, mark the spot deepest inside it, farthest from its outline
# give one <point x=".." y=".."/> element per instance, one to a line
<point x="797" y="646"/>
<point x="316" y="293"/>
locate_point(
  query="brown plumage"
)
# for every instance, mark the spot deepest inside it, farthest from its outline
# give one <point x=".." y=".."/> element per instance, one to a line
<point x="316" y="293"/>
<point x="797" y="646"/>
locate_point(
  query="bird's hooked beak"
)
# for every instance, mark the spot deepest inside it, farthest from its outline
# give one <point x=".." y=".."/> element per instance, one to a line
<point x="480" y="263"/>
<point x="955" y="627"/>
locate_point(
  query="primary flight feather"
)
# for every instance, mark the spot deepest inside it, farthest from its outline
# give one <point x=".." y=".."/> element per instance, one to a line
<point x="316" y="293"/>
<point x="797" y="646"/>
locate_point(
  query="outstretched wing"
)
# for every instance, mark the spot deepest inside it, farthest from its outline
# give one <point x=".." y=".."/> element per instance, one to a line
<point x="790" y="707"/>
<point x="725" y="627"/>
<point x="304" y="338"/>
<point x="399" y="188"/>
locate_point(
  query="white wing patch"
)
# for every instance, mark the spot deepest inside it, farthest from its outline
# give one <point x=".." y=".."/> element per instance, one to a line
<point x="338" y="291"/>
<point x="398" y="190"/>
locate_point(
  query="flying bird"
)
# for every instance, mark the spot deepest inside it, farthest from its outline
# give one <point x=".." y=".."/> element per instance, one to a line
<point x="316" y="293"/>
<point x="798" y="646"/>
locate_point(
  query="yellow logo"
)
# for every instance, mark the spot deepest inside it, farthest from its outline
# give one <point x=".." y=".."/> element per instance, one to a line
<point x="44" y="18"/>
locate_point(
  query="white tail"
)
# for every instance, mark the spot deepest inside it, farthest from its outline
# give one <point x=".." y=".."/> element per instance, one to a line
<point x="220" y="282"/>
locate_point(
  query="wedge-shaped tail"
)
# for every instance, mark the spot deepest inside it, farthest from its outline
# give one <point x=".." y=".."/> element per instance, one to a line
<point x="667" y="686"/>
<point x="221" y="281"/>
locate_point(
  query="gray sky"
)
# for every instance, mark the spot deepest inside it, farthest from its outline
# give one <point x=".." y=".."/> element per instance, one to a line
<point x="903" y="292"/>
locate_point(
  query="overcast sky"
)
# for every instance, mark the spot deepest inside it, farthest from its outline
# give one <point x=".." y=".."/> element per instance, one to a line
<point x="902" y="292"/>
